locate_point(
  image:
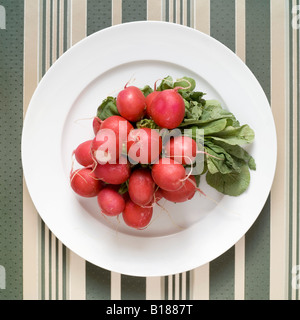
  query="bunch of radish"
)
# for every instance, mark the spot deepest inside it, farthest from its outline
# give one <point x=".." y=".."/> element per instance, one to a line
<point x="128" y="168"/>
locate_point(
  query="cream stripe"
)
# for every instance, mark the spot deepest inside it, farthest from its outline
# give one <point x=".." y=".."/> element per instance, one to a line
<point x="78" y="20"/>
<point x="171" y="18"/>
<point x="60" y="245"/>
<point x="201" y="16"/>
<point x="240" y="44"/>
<point x="199" y="277"/>
<point x="46" y="267"/>
<point x="53" y="238"/>
<point x="115" y="286"/>
<point x="239" y="270"/>
<point x="61" y="28"/>
<point x="47" y="49"/>
<point x="240" y="28"/>
<point x="31" y="219"/>
<point x="177" y="287"/>
<point x="170" y="287"/>
<point x="295" y="140"/>
<point x="76" y="277"/>
<point x="183" y="286"/>
<point x="154" y="10"/>
<point x="200" y="283"/>
<point x="279" y="204"/>
<point x="184" y="12"/>
<point x="154" y="288"/>
<point x="54" y="31"/>
<point x="76" y="286"/>
<point x="177" y="11"/>
<point x="60" y="271"/>
<point x="116" y="12"/>
<point x="53" y="267"/>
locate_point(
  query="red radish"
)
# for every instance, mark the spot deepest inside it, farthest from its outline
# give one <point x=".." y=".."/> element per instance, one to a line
<point x="114" y="173"/>
<point x="120" y="126"/>
<point x="144" y="145"/>
<point x="183" y="194"/>
<point x="131" y="103"/>
<point x="149" y="100"/>
<point x="141" y="187"/>
<point x="168" y="174"/>
<point x="168" y="109"/>
<point x="157" y="196"/>
<point x="183" y="149"/>
<point x="136" y="216"/>
<point x="105" y="147"/>
<point x="96" y="124"/>
<point x="85" y="183"/>
<point x="110" y="202"/>
<point x="83" y="154"/>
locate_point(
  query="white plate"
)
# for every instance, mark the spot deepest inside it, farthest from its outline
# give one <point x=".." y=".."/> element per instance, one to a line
<point x="59" y="118"/>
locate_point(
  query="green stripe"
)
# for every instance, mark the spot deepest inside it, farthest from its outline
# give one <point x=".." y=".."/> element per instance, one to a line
<point x="134" y="10"/>
<point x="97" y="283"/>
<point x="66" y="24"/>
<point x="221" y="277"/>
<point x="221" y="270"/>
<point x="257" y="240"/>
<point x="222" y="13"/>
<point x="167" y="11"/>
<point x="188" y="18"/>
<point x="11" y="175"/>
<point x="99" y="15"/>
<point x="133" y="288"/>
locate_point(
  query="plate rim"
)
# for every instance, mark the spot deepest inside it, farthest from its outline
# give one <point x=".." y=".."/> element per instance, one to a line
<point x="80" y="43"/>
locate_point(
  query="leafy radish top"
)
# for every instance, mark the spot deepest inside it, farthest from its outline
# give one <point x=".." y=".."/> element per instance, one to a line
<point x="178" y="105"/>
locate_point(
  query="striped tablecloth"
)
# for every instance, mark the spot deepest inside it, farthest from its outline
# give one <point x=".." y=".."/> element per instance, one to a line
<point x="264" y="264"/>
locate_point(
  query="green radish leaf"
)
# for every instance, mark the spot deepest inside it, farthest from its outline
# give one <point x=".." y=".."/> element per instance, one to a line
<point x="166" y="83"/>
<point x="235" y="135"/>
<point x="107" y="108"/>
<point x="185" y="82"/>
<point x="232" y="184"/>
<point x="147" y="90"/>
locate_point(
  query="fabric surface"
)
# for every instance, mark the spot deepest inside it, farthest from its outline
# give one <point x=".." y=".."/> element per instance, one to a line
<point x="264" y="264"/>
